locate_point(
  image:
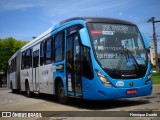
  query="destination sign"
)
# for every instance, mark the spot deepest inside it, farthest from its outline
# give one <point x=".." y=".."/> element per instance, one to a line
<point x="114" y="27"/>
<point x="108" y="27"/>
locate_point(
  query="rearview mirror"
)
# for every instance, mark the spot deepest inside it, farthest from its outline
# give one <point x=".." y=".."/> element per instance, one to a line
<point x="85" y="37"/>
<point x="146" y="41"/>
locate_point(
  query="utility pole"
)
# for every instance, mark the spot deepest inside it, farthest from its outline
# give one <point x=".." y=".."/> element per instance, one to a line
<point x="152" y="19"/>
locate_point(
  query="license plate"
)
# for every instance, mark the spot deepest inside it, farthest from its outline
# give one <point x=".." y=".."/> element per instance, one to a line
<point x="131" y="91"/>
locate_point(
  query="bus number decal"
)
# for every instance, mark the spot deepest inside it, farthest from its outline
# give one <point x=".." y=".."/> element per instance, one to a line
<point x="107" y="55"/>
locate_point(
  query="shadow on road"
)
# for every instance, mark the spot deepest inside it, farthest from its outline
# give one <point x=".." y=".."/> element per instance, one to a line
<point x="93" y="105"/>
<point x="107" y="104"/>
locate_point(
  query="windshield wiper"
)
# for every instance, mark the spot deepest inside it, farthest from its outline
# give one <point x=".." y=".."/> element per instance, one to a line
<point x="129" y="54"/>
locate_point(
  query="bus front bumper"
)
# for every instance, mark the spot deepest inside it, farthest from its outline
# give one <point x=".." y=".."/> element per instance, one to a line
<point x="107" y="93"/>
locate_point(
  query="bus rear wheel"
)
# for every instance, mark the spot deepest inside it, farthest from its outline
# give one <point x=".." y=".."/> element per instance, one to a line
<point x="12" y="90"/>
<point x="61" y="94"/>
<point x="28" y="92"/>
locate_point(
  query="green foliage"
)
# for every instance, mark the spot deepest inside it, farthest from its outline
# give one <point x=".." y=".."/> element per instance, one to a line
<point x="8" y="47"/>
<point x="156" y="78"/>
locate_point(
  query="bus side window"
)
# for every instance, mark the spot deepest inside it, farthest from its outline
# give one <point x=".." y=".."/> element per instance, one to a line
<point x="27" y="59"/>
<point x="36" y="59"/>
<point x="48" y="51"/>
<point x="11" y="66"/>
<point x="30" y="58"/>
<point x="15" y="65"/>
<point x="87" y="70"/>
<point x="8" y="68"/>
<point x="42" y="53"/>
<point x="23" y="61"/>
<point x="59" y="47"/>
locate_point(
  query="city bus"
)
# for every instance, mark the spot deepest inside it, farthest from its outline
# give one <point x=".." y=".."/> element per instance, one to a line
<point x="91" y="58"/>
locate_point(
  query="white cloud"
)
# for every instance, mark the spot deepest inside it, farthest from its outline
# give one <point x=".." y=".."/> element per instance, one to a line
<point x="70" y="8"/>
<point x="65" y="8"/>
<point x="15" y="5"/>
<point x="53" y="10"/>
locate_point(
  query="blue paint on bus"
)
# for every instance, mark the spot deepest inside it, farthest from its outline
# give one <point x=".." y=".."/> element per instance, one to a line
<point x="104" y="59"/>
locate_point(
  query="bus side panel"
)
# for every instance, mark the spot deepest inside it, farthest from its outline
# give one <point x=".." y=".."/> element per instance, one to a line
<point x="22" y="77"/>
<point x="12" y="80"/>
<point x="46" y="79"/>
<point x="59" y="73"/>
<point x="26" y="75"/>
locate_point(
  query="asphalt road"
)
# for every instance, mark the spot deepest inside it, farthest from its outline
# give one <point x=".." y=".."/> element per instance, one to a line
<point x="19" y="102"/>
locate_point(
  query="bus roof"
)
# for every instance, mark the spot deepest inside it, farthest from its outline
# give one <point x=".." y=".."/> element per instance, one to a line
<point x="86" y="19"/>
<point x="13" y="56"/>
<point x="98" y="19"/>
<point x="41" y="36"/>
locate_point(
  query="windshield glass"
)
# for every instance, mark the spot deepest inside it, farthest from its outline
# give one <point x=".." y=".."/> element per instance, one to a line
<point x="118" y="46"/>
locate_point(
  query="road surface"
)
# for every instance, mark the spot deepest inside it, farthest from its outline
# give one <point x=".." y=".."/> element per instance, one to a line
<point x="80" y="108"/>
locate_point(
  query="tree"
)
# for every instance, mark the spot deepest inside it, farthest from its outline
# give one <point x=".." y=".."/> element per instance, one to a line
<point x="8" y="47"/>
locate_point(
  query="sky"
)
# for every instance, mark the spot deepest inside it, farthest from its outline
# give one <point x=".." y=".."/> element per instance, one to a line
<point x="23" y="19"/>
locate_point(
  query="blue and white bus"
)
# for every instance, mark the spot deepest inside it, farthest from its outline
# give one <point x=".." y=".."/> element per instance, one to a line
<point x="85" y="57"/>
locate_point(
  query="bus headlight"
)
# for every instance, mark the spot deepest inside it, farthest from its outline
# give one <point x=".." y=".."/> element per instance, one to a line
<point x="103" y="79"/>
<point x="148" y="79"/>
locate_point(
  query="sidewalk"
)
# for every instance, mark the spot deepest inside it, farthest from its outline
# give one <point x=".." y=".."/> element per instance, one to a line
<point x="3" y="88"/>
<point x="156" y="88"/>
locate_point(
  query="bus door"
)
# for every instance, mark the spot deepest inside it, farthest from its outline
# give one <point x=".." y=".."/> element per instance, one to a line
<point x="36" y="70"/>
<point x="73" y="66"/>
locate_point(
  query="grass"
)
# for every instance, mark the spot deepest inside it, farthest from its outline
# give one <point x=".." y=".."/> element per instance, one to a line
<point x="156" y="78"/>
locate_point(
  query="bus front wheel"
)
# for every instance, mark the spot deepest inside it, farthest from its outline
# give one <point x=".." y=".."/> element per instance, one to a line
<point x="61" y="94"/>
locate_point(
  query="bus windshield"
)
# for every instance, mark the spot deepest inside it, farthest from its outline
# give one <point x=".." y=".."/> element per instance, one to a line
<point x="118" y="46"/>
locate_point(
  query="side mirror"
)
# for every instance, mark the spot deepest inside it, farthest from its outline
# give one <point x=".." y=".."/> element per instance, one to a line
<point x="146" y="41"/>
<point x="85" y="37"/>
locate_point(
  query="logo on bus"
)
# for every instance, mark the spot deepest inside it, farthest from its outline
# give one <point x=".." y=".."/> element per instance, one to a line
<point x="59" y="67"/>
<point x="120" y="83"/>
<point x="131" y="84"/>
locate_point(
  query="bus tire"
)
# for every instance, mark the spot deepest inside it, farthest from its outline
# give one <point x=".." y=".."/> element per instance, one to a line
<point x="61" y="94"/>
<point x="28" y="92"/>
